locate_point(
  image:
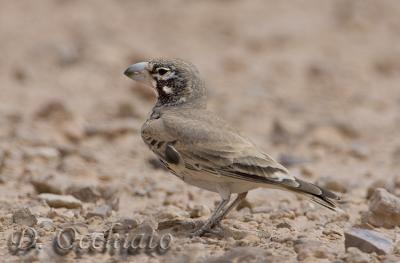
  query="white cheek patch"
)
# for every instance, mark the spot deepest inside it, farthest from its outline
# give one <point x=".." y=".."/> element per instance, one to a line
<point x="167" y="90"/>
<point x="167" y="75"/>
<point x="154" y="83"/>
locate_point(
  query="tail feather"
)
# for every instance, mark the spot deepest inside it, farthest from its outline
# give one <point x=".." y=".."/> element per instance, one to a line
<point x="318" y="194"/>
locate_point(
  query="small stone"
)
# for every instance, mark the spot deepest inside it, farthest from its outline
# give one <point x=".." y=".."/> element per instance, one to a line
<point x="306" y="171"/>
<point x="289" y="160"/>
<point x="283" y="213"/>
<point x="68" y="54"/>
<point x="126" y="224"/>
<point x="279" y="134"/>
<point x="391" y="259"/>
<point x="359" y="151"/>
<point x="232" y="64"/>
<point x="380" y="183"/>
<point x="54" y="110"/>
<point x="333" y="185"/>
<point x="52" y="183"/>
<point x="309" y="248"/>
<point x="327" y="136"/>
<point x="84" y="193"/>
<point x="6" y="221"/>
<point x="101" y="211"/>
<point x="126" y="110"/>
<point x="73" y="131"/>
<point x="284" y="225"/>
<point x="368" y="241"/>
<point x="354" y="255"/>
<point x="56" y="201"/>
<point x="112" y="129"/>
<point x="140" y="192"/>
<point x="47" y="153"/>
<point x="45" y="223"/>
<point x="146" y="227"/>
<point x="384" y="209"/>
<point x="24" y="217"/>
<point x="199" y="211"/>
<point x="242" y="254"/>
<point x="172" y="212"/>
<point x="111" y="195"/>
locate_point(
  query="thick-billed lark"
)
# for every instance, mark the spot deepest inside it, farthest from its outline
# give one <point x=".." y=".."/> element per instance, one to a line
<point x="202" y="149"/>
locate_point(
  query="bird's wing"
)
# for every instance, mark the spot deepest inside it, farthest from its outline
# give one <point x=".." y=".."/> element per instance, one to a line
<point x="209" y="144"/>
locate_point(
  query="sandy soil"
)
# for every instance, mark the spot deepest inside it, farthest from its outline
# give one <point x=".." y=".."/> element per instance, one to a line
<point x="315" y="83"/>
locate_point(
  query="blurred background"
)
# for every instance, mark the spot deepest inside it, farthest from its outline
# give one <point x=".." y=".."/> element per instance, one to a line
<point x="313" y="83"/>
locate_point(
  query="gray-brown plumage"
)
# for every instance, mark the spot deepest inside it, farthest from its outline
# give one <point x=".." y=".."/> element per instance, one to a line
<point x="202" y="149"/>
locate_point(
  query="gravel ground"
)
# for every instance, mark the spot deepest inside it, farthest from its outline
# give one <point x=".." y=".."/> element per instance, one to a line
<point x="321" y="77"/>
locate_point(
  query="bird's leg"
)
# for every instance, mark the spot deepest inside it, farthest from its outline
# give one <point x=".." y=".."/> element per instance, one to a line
<point x="211" y="221"/>
<point x="226" y="196"/>
<point x="224" y="212"/>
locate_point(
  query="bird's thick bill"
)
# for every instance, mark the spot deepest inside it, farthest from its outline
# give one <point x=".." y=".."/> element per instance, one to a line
<point x="137" y="71"/>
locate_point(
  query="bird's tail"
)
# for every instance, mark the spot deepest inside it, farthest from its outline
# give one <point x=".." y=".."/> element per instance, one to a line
<point x="317" y="194"/>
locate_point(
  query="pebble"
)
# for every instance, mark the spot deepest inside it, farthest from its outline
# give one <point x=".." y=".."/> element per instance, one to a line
<point x="284" y="213"/>
<point x="199" y="211"/>
<point x="84" y="193"/>
<point x="45" y="223"/>
<point x="112" y="129"/>
<point x="279" y="133"/>
<point x="56" y="201"/>
<point x="127" y="110"/>
<point x="52" y="183"/>
<point x="284" y="225"/>
<point x="54" y="110"/>
<point x="368" y="241"/>
<point x="354" y="255"/>
<point x="384" y="209"/>
<point x="101" y="211"/>
<point x="306" y="171"/>
<point x="380" y="183"/>
<point x="359" y="151"/>
<point x="47" y="153"/>
<point x="68" y="54"/>
<point x="241" y="254"/>
<point x="289" y="160"/>
<point x="24" y="217"/>
<point x="310" y="248"/>
<point x="327" y="136"/>
<point x="334" y="185"/>
<point x="126" y="224"/>
<point x="171" y="212"/>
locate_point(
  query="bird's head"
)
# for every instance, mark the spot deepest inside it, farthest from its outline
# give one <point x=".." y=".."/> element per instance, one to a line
<point x="175" y="81"/>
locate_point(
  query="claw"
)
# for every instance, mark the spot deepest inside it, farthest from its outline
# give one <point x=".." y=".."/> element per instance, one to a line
<point x="208" y="227"/>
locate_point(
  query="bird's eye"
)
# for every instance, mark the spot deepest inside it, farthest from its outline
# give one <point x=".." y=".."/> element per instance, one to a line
<point x="162" y="71"/>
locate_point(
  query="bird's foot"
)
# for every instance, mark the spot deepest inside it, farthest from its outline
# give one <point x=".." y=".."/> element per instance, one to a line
<point x="208" y="227"/>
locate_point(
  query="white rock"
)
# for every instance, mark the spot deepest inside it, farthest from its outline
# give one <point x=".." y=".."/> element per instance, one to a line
<point x="67" y="201"/>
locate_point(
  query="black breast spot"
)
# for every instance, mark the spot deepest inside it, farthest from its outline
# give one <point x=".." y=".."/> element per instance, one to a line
<point x="171" y="155"/>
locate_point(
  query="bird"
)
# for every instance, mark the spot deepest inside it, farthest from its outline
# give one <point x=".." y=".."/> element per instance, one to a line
<point x="202" y="149"/>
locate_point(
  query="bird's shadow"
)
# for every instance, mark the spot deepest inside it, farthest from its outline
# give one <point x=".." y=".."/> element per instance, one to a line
<point x="184" y="228"/>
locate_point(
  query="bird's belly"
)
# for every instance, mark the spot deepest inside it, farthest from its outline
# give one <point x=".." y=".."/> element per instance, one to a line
<point x="209" y="182"/>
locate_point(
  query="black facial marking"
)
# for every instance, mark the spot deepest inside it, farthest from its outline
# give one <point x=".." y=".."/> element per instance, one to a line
<point x="177" y="85"/>
<point x="177" y="82"/>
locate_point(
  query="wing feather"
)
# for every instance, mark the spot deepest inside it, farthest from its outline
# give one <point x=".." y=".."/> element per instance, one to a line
<point x="208" y="143"/>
